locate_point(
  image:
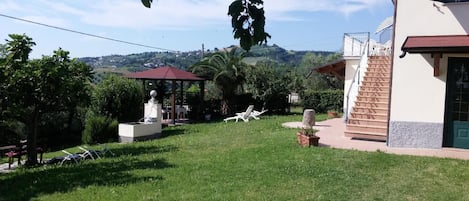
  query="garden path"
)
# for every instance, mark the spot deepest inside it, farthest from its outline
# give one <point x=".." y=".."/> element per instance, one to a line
<point x="331" y="132"/>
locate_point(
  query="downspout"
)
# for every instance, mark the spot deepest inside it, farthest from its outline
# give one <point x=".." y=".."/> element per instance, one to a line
<point x="392" y="71"/>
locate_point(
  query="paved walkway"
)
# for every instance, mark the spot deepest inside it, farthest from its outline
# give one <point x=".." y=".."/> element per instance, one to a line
<point x="4" y="167"/>
<point x="332" y="135"/>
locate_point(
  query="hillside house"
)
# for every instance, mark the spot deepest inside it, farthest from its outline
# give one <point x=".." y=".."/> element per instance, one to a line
<point x="412" y="91"/>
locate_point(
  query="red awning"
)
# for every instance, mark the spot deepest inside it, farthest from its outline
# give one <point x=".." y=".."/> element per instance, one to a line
<point x="165" y="73"/>
<point x="336" y="68"/>
<point x="436" y="44"/>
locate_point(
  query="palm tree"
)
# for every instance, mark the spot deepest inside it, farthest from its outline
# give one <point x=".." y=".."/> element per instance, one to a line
<point x="227" y="70"/>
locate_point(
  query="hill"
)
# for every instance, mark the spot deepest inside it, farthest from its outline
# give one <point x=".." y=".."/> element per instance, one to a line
<point x="146" y="60"/>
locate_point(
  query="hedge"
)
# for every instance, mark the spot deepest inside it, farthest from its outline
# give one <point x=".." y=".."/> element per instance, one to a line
<point x="323" y="101"/>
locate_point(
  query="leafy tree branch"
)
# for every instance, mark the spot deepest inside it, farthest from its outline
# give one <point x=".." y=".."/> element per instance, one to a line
<point x="247" y="20"/>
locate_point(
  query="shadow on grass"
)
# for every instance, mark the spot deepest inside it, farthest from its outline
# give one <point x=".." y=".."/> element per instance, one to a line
<point x="134" y="150"/>
<point x="56" y="179"/>
<point x="171" y="132"/>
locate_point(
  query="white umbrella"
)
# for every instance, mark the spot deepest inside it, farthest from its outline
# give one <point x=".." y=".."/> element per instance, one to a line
<point x="386" y="23"/>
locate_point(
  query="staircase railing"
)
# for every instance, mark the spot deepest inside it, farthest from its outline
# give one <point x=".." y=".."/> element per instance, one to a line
<point x="356" y="82"/>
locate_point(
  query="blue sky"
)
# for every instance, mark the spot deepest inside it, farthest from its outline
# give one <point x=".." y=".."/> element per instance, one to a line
<point x="183" y="25"/>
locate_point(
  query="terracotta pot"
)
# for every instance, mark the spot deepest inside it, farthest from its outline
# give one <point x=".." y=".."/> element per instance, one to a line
<point x="332" y="114"/>
<point x="307" y="140"/>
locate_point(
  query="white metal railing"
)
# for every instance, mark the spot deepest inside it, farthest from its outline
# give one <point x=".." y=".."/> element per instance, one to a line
<point x="379" y="49"/>
<point x="356" y="82"/>
<point x="355" y="43"/>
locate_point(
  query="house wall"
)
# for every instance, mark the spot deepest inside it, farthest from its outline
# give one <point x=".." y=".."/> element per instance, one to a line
<point x="417" y="97"/>
<point x="351" y="65"/>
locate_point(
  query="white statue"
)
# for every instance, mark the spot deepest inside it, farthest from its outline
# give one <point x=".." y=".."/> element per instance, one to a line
<point x="153" y="113"/>
<point x="152" y="99"/>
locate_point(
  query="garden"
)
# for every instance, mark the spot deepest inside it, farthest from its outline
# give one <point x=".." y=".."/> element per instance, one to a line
<point x="51" y="102"/>
<point x="258" y="160"/>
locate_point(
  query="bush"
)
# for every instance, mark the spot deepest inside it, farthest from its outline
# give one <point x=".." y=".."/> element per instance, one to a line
<point x="61" y="129"/>
<point x="322" y="101"/>
<point x="11" y="132"/>
<point x="118" y="98"/>
<point x="99" y="129"/>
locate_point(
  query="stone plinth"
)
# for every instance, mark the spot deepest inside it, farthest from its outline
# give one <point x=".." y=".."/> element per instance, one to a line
<point x="309" y="118"/>
<point x="147" y="130"/>
<point x="139" y="131"/>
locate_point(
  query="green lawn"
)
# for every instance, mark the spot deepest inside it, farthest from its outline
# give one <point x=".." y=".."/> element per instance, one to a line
<point x="258" y="160"/>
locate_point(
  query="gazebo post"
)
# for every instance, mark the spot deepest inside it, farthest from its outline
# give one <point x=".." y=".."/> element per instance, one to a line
<point x="201" y="105"/>
<point x="182" y="95"/>
<point x="173" y="102"/>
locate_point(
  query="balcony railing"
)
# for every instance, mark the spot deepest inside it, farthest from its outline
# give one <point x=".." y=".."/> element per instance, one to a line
<point x="355" y="44"/>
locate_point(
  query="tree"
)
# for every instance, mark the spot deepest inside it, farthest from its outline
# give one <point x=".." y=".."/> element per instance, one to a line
<point x="41" y="86"/>
<point x="270" y="84"/>
<point x="226" y="70"/>
<point x="317" y="81"/>
<point x="118" y="98"/>
<point x="115" y="99"/>
<point x="247" y="20"/>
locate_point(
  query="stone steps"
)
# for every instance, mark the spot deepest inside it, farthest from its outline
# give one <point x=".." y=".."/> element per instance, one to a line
<point x="369" y="117"/>
<point x="372" y="98"/>
<point x="371" y="122"/>
<point x="366" y="135"/>
<point x="367" y="128"/>
<point x="371" y="110"/>
<point x="371" y="104"/>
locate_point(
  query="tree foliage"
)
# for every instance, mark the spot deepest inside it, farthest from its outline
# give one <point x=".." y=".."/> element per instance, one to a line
<point x="226" y="70"/>
<point x="270" y="84"/>
<point x="317" y="81"/>
<point x="115" y="99"/>
<point x="31" y="89"/>
<point x="100" y="129"/>
<point x="247" y="20"/>
<point x="118" y="98"/>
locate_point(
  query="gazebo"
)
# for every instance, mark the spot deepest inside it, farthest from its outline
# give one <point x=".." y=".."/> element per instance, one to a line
<point x="172" y="74"/>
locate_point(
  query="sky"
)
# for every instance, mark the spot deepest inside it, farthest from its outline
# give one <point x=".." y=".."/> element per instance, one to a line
<point x="182" y="25"/>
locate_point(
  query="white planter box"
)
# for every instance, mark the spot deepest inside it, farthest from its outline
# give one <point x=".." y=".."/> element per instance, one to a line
<point x="138" y="131"/>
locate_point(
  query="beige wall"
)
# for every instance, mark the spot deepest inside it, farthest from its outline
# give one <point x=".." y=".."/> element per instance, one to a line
<point x="351" y="65"/>
<point x="418" y="96"/>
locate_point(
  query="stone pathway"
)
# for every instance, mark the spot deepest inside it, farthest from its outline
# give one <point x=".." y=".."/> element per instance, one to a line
<point x="332" y="135"/>
<point x="4" y="167"/>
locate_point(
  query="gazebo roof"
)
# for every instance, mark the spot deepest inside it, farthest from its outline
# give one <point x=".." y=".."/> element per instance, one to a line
<point x="165" y="73"/>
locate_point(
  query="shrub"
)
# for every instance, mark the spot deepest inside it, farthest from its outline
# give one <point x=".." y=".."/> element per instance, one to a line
<point x="99" y="129"/>
<point x="11" y="132"/>
<point x="322" y="101"/>
<point x="118" y="98"/>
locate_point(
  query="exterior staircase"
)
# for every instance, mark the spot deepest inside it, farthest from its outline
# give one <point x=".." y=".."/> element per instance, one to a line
<point x="369" y="117"/>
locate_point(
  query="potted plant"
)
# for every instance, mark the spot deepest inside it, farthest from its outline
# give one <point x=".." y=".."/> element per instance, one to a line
<point x="307" y="137"/>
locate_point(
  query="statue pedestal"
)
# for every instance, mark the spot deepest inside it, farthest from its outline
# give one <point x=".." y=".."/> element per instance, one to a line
<point x="140" y="131"/>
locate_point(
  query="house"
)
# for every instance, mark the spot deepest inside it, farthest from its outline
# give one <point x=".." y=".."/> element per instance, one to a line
<point x="414" y="90"/>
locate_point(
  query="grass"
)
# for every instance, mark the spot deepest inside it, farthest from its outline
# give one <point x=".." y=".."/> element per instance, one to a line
<point x="258" y="160"/>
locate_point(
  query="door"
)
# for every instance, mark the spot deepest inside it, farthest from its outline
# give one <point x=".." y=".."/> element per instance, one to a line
<point x="457" y="104"/>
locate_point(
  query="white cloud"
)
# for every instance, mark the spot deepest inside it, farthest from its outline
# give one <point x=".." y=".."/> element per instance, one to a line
<point x="168" y="14"/>
<point x="280" y="10"/>
<point x="10" y="5"/>
<point x="47" y="20"/>
<point x="164" y="14"/>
